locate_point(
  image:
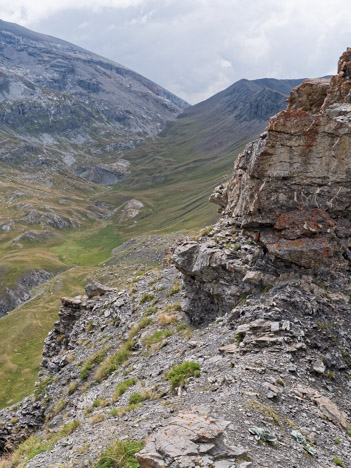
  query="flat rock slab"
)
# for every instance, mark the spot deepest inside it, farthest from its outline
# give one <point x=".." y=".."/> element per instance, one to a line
<point x="187" y="437"/>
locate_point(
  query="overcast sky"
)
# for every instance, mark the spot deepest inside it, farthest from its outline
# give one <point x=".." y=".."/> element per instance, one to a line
<point x="196" y="48"/>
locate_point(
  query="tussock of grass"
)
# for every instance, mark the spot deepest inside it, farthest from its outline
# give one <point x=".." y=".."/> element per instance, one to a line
<point x="120" y="455"/>
<point x="146" y="321"/>
<point x="146" y="297"/>
<point x="180" y="373"/>
<point x="122" y="387"/>
<point x="112" y="363"/>
<point x="156" y="337"/>
<point x="95" y="359"/>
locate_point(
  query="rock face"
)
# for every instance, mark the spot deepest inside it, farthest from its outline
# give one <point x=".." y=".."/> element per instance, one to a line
<point x="292" y="185"/>
<point x="287" y="207"/>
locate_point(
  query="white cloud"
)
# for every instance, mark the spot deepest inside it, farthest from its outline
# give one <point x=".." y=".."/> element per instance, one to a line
<point x="197" y="47"/>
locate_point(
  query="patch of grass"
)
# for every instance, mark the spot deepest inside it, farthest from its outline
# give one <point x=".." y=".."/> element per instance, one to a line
<point x="151" y="310"/>
<point x="174" y="290"/>
<point x="120" y="455"/>
<point x="72" y="388"/>
<point x="112" y="363"/>
<point x="180" y="373"/>
<point x="146" y="321"/>
<point x="166" y="320"/>
<point x="22" y="335"/>
<point x="95" y="359"/>
<point x="156" y="337"/>
<point x="97" y="418"/>
<point x="122" y="387"/>
<point x="146" y="297"/>
<point x="338" y="461"/>
<point x="35" y="445"/>
<point x="139" y="397"/>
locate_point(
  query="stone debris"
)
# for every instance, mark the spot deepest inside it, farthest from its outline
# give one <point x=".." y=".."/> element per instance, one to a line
<point x="327" y="407"/>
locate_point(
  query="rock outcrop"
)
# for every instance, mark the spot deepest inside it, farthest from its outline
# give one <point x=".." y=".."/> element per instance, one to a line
<point x="286" y="210"/>
<point x="292" y="185"/>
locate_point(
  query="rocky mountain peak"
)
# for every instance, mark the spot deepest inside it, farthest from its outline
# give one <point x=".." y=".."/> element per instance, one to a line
<point x="291" y="187"/>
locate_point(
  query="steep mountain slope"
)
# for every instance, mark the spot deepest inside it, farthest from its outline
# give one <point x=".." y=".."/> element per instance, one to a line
<point x="238" y="354"/>
<point x="71" y="107"/>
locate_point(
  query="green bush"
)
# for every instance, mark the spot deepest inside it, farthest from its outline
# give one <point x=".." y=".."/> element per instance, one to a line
<point x="120" y="455"/>
<point x="180" y="373"/>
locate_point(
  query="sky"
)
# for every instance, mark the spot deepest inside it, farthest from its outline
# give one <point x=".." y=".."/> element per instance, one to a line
<point x="196" y="48"/>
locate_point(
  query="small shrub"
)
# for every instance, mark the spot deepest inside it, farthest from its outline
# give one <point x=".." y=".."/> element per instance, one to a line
<point x="146" y="297"/>
<point x="122" y="387"/>
<point x="139" y="397"/>
<point x="42" y="387"/>
<point x="338" y="461"/>
<point x="337" y="441"/>
<point x="180" y="373"/>
<point x="120" y="455"/>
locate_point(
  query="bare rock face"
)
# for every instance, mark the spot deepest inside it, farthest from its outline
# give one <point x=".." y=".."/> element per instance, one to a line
<point x="292" y="185"/>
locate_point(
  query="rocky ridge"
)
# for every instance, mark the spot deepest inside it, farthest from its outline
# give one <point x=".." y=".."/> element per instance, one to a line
<point x="261" y="324"/>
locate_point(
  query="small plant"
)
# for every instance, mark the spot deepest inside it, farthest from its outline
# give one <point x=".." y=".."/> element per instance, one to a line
<point x="142" y="324"/>
<point x="180" y="373"/>
<point x="150" y="311"/>
<point x="348" y="430"/>
<point x="167" y="319"/>
<point x="146" y="297"/>
<point x="97" y="418"/>
<point x="91" y="362"/>
<point x="120" y="455"/>
<point x="112" y="363"/>
<point x="122" y="387"/>
<point x="59" y="406"/>
<point x="337" y="441"/>
<point x="174" y="290"/>
<point x="42" y="387"/>
<point x="157" y="337"/>
<point x="72" y="388"/>
<point x="338" y="461"/>
<point x="68" y="428"/>
<point x="139" y="397"/>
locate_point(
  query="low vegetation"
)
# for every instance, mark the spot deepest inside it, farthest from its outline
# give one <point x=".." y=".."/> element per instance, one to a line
<point x="122" y="387"/>
<point x="120" y="455"/>
<point x="180" y="373"/>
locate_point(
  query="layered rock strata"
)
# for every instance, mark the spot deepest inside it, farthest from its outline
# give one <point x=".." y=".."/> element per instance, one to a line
<point x="286" y="210"/>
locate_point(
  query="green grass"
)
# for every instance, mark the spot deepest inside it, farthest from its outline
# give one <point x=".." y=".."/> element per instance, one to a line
<point x="90" y="363"/>
<point x="157" y="337"/>
<point x="120" y="455"/>
<point x="122" y="387"/>
<point x="180" y="373"/>
<point x="22" y="334"/>
<point x="112" y="363"/>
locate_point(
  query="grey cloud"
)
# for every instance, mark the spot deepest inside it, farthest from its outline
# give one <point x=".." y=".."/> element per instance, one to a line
<point x="183" y="45"/>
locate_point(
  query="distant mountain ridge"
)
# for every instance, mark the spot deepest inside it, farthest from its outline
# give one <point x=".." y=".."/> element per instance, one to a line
<point x="56" y="95"/>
